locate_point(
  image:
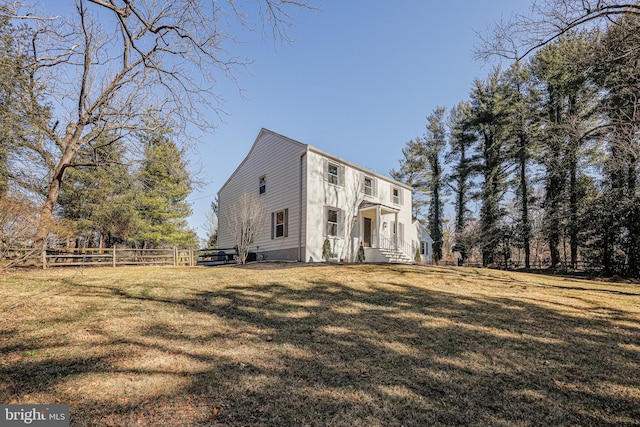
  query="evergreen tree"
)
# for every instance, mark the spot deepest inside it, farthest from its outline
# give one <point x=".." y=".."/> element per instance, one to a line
<point x="568" y="100"/>
<point x="617" y="74"/>
<point x="488" y="110"/>
<point x="97" y="197"/>
<point x="20" y="108"/>
<point x="413" y="172"/>
<point x="434" y="144"/>
<point x="164" y="184"/>
<point x="462" y="138"/>
<point x="521" y="114"/>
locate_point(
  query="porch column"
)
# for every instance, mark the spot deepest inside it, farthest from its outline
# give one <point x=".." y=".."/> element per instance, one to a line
<point x="395" y="235"/>
<point x="378" y="225"/>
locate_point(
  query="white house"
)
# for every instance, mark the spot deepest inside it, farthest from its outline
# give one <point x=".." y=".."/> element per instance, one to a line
<point x="311" y="196"/>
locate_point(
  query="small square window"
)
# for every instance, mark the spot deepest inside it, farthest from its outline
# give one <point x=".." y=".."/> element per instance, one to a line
<point x="263" y="184"/>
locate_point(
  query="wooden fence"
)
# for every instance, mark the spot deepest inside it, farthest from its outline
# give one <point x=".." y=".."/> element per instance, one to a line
<point x="115" y="257"/>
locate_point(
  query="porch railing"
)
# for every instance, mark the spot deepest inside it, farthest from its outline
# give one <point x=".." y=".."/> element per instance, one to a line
<point x="391" y="244"/>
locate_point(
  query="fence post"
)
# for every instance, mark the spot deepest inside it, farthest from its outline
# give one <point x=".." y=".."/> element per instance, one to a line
<point x="175" y="256"/>
<point x="114" y="256"/>
<point x="190" y="257"/>
<point x="44" y="258"/>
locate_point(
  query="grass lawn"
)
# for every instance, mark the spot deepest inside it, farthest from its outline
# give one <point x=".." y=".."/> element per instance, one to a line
<point x="354" y="345"/>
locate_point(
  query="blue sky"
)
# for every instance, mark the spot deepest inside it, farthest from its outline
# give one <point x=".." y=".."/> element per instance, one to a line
<point x="358" y="81"/>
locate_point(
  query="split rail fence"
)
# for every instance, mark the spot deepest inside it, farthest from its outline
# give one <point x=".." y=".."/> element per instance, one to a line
<point x="116" y="257"/>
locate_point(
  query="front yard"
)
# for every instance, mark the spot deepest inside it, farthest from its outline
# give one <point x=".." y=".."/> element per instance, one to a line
<point x="285" y="344"/>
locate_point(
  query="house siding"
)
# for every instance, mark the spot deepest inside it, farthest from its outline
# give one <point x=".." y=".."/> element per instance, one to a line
<point x="346" y="196"/>
<point x="297" y="180"/>
<point x="279" y="160"/>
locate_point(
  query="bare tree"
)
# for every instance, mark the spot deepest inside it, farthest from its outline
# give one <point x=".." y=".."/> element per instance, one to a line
<point x="247" y="217"/>
<point x="211" y="225"/>
<point x="518" y="36"/>
<point x="108" y="65"/>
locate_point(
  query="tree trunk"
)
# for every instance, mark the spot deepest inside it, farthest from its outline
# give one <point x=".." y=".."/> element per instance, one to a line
<point x="46" y="210"/>
<point x="526" y="227"/>
<point x="573" y="210"/>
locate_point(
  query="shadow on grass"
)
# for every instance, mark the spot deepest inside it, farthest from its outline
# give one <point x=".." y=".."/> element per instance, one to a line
<point x="335" y="353"/>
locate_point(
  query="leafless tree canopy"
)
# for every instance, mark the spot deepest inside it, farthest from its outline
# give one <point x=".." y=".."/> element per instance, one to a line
<point x="246" y="221"/>
<point x="547" y="20"/>
<point x="105" y="67"/>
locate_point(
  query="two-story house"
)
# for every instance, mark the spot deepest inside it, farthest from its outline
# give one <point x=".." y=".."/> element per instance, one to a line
<point x="310" y="196"/>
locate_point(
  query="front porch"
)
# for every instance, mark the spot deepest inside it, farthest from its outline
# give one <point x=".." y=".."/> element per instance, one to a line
<point x="382" y="235"/>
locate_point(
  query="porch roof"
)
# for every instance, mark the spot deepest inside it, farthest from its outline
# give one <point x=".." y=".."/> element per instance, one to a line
<point x="384" y="209"/>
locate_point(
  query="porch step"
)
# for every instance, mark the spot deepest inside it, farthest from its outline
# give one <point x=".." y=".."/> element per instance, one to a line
<point x="387" y="255"/>
<point x="396" y="256"/>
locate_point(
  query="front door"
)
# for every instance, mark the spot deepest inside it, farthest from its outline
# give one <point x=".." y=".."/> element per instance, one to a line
<point x="367" y="233"/>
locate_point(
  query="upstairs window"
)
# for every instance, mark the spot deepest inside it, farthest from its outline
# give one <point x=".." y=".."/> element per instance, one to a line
<point x="396" y="195"/>
<point x="333" y="173"/>
<point x="263" y="184"/>
<point x="369" y="186"/>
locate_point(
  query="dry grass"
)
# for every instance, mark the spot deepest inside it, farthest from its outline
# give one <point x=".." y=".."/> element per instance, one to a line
<point x="321" y="345"/>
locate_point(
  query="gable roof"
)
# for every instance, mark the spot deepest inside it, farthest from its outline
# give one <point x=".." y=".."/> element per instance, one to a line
<point x="262" y="132"/>
<point x="308" y="147"/>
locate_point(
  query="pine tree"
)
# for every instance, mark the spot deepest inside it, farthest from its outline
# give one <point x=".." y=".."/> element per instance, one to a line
<point x="412" y="172"/>
<point x="435" y="141"/>
<point x="97" y="196"/>
<point x="521" y="98"/>
<point x="617" y="73"/>
<point x="568" y="101"/>
<point x="164" y="184"/>
<point x="462" y="138"/>
<point x="488" y="110"/>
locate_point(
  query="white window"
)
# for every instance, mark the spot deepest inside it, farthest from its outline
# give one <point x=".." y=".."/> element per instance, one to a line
<point x="368" y="186"/>
<point x="333" y="222"/>
<point x="263" y="184"/>
<point x="396" y="195"/>
<point x="423" y="248"/>
<point x="333" y="173"/>
<point x="279" y="224"/>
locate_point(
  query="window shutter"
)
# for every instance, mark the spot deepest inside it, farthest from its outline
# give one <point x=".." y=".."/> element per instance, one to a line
<point x="273" y="223"/>
<point x="286" y="222"/>
<point x="324" y="221"/>
<point x="391" y="194"/>
<point x="325" y="169"/>
<point x="401" y="194"/>
<point x="341" y="175"/>
<point x="362" y="187"/>
<point x="340" y="223"/>
<point x="374" y="184"/>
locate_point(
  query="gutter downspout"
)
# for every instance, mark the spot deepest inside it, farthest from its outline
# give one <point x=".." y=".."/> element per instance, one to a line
<point x="300" y="207"/>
